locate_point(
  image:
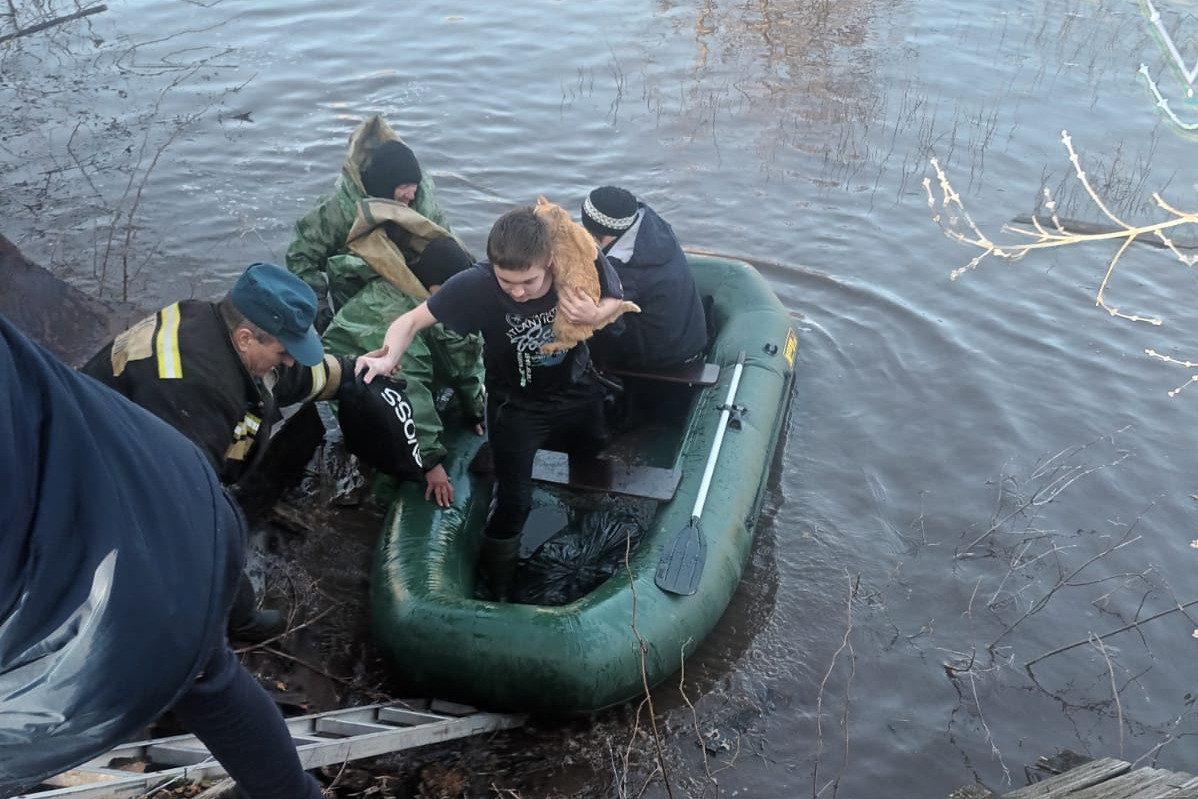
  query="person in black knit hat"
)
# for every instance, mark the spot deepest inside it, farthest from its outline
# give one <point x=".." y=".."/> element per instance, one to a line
<point x="671" y="328"/>
<point x="392" y="173"/>
<point x="378" y="166"/>
<point x="609" y="211"/>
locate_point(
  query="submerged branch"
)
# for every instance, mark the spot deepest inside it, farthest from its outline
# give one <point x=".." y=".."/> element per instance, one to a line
<point x="1094" y="638"/>
<point x="50" y="23"/>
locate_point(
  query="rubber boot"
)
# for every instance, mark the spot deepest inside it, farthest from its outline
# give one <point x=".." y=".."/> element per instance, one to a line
<point x="497" y="566"/>
<point x="247" y="622"/>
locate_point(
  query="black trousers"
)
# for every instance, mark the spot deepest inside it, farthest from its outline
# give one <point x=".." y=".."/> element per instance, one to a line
<point x="516" y="432"/>
<point x="240" y="724"/>
<point x="233" y="715"/>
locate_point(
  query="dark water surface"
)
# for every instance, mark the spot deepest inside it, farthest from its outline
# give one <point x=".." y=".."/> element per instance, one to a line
<point x="910" y="562"/>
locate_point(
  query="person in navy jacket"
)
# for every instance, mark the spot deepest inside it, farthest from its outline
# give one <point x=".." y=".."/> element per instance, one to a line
<point x="671" y="328"/>
<point x="119" y="559"/>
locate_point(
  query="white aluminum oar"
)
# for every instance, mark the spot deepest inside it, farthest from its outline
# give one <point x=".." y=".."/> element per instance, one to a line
<point x="681" y="565"/>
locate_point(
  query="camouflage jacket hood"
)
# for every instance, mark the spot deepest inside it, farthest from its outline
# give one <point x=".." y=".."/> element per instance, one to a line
<point x="323" y="232"/>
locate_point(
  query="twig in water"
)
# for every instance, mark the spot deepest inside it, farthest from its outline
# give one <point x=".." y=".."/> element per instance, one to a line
<point x="50" y="23"/>
<point x="1063" y="582"/>
<point x="1081" y="228"/>
<point x="1089" y="639"/>
<point x="845" y="645"/>
<point x="1056" y="476"/>
<point x="711" y="780"/>
<point x="132" y="211"/>
<point x="644" y="649"/>
<point x="977" y="703"/>
<point x="1110" y="668"/>
<point x="1051" y="231"/>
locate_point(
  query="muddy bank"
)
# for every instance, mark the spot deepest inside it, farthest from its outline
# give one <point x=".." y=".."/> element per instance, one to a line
<point x="64" y="320"/>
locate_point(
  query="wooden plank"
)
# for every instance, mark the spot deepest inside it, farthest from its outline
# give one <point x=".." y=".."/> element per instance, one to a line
<point x="1188" y="789"/>
<point x="299" y="725"/>
<point x="1142" y="783"/>
<point x="695" y="373"/>
<point x="1083" y="776"/>
<point x="600" y="474"/>
<point x="89" y="776"/>
<point x="133" y="785"/>
<point x="299" y="740"/>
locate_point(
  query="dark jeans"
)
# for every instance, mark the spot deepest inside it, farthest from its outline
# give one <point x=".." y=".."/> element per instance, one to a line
<point x="240" y="724"/>
<point x="236" y="719"/>
<point x="516" y="432"/>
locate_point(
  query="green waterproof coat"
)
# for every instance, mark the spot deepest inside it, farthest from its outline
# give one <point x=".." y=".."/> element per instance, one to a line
<point x="341" y="249"/>
<point x="437" y="358"/>
<point x="321" y="233"/>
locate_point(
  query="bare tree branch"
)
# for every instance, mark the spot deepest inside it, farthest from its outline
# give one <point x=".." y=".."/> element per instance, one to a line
<point x="50" y="23"/>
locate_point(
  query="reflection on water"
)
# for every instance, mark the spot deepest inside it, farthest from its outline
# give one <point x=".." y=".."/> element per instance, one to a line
<point x="800" y="72"/>
<point x="159" y="147"/>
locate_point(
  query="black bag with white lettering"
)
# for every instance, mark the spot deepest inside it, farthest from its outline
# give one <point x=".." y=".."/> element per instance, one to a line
<point x="376" y="420"/>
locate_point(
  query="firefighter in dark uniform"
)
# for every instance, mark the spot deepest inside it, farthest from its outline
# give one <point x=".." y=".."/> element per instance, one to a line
<point x="119" y="557"/>
<point x="220" y="374"/>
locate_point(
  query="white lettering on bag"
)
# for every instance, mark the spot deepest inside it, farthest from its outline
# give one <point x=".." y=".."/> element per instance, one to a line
<point x="403" y="412"/>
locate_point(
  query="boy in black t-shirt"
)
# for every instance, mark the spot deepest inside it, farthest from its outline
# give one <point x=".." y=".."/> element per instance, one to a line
<point x="532" y="398"/>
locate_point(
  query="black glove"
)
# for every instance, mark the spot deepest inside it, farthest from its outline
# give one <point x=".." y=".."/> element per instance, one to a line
<point x="376" y="420"/>
<point x="324" y="317"/>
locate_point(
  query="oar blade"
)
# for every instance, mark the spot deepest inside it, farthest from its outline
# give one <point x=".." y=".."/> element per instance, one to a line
<point x="681" y="565"/>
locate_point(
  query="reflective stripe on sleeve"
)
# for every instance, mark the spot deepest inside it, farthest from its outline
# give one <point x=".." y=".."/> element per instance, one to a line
<point x="319" y="378"/>
<point x="166" y="345"/>
<point x="330" y="379"/>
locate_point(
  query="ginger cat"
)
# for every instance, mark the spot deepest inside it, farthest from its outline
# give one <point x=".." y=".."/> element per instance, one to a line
<point x="574" y="253"/>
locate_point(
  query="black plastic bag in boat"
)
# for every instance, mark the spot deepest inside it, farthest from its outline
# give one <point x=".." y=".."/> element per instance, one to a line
<point x="576" y="559"/>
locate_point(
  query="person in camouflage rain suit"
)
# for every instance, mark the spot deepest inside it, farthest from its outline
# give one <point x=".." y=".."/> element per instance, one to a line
<point x="372" y="251"/>
<point x="318" y="243"/>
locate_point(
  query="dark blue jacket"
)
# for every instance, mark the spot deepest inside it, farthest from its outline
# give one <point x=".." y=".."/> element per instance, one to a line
<point x="118" y="556"/>
<point x="671" y="327"/>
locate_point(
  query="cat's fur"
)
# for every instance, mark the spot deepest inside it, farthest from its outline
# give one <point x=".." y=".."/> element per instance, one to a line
<point x="574" y="253"/>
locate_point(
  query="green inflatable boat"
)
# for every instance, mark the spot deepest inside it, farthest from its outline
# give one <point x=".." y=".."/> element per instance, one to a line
<point x="693" y="479"/>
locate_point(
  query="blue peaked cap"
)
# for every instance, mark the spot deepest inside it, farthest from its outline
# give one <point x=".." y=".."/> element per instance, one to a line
<point x="283" y="306"/>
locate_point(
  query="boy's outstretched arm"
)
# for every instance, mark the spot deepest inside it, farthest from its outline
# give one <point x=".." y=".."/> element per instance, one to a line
<point x="385" y="360"/>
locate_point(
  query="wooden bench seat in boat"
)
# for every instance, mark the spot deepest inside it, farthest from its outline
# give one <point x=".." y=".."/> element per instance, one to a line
<point x="695" y="373"/>
<point x="593" y="474"/>
<point x="603" y="474"/>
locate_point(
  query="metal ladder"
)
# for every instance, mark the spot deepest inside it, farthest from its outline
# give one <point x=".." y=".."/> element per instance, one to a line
<point x="322" y="739"/>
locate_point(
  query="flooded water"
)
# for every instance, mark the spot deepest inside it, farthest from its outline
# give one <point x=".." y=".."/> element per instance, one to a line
<point x="977" y="471"/>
